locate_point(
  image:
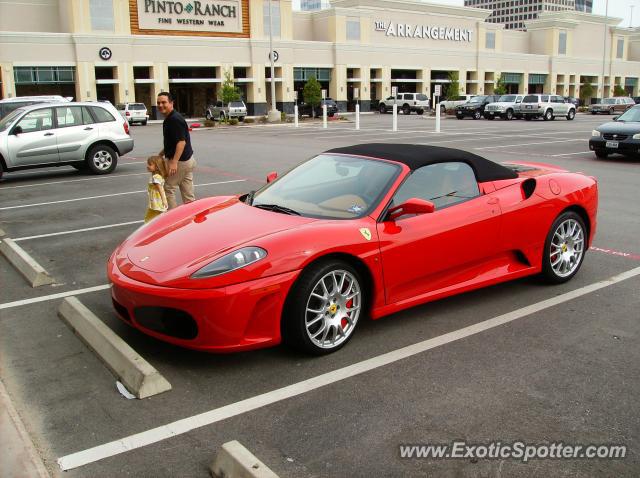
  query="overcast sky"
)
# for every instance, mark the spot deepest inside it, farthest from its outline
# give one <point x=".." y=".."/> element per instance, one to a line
<point x="617" y="8"/>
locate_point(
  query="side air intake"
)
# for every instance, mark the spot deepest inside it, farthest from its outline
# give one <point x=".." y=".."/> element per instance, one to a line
<point x="528" y="187"/>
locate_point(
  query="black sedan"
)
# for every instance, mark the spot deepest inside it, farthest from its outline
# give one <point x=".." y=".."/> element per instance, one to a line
<point x="304" y="109"/>
<point x="622" y="135"/>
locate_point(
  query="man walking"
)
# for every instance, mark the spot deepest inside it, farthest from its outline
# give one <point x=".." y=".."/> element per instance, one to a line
<point x="177" y="152"/>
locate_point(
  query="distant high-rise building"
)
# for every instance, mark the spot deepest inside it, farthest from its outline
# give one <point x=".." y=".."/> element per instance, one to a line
<point x="515" y="13"/>
<point x="311" y="5"/>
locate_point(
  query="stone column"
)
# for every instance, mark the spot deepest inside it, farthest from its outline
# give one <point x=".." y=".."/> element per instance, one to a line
<point x="86" y="81"/>
<point x="256" y="93"/>
<point x="338" y="86"/>
<point x="8" y="81"/>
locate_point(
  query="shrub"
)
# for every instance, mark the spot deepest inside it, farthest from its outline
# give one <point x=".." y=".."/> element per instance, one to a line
<point x="233" y="121"/>
<point x="263" y="119"/>
<point x="209" y="123"/>
<point x="283" y="116"/>
<point x="249" y="120"/>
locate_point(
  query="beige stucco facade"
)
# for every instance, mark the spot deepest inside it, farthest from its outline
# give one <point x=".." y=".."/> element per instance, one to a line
<point x="368" y="46"/>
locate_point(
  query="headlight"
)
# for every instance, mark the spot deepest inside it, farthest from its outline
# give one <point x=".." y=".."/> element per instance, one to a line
<point x="596" y="134"/>
<point x="230" y="262"/>
<point x="636" y="136"/>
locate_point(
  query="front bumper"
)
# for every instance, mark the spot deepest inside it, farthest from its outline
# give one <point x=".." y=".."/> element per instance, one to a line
<point x="465" y="112"/>
<point x="626" y="146"/>
<point x="243" y="316"/>
<point x="124" y="145"/>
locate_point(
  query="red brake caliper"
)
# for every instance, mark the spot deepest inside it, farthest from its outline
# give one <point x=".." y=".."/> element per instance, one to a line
<point x="344" y="322"/>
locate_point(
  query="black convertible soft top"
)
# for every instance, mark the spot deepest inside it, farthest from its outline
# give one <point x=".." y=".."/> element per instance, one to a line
<point x="417" y="155"/>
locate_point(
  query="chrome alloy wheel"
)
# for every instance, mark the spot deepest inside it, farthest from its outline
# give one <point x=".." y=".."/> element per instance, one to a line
<point x="333" y="308"/>
<point x="567" y="247"/>
<point x="102" y="159"/>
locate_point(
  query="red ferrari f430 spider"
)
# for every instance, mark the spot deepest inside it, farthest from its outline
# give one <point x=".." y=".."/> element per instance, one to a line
<point x="355" y="232"/>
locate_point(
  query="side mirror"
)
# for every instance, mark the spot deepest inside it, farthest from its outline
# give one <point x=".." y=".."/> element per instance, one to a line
<point x="271" y="177"/>
<point x="17" y="130"/>
<point x="615" y="118"/>
<point x="411" y="206"/>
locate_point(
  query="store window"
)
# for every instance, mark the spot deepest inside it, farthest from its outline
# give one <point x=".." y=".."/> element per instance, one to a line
<point x="275" y="17"/>
<point x="562" y="44"/>
<point x="620" y="49"/>
<point x="353" y="29"/>
<point x="490" y="40"/>
<point x="101" y="12"/>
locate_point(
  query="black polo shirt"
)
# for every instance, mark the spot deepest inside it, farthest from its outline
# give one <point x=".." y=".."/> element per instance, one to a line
<point x="174" y="129"/>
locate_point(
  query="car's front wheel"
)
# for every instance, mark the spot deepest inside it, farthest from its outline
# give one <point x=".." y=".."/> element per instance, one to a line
<point x="102" y="159"/>
<point x="406" y="110"/>
<point x="548" y="115"/>
<point x="571" y="114"/>
<point x="323" y="308"/>
<point x="564" y="248"/>
<point x="477" y="115"/>
<point x="382" y="109"/>
<point x="509" y="115"/>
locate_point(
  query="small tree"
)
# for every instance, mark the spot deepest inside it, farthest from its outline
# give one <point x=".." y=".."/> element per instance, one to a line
<point x="619" y="91"/>
<point x="586" y="92"/>
<point x="312" y="94"/>
<point x="453" y="89"/>
<point x="230" y="92"/>
<point x="501" y="87"/>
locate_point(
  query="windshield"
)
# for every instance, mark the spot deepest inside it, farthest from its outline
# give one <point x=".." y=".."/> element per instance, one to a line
<point x="137" y="106"/>
<point x="421" y="97"/>
<point x="507" y="98"/>
<point x="330" y="187"/>
<point x="477" y="99"/>
<point x="530" y="99"/>
<point x="236" y="104"/>
<point x="609" y="101"/>
<point x="7" y="120"/>
<point x="632" y="115"/>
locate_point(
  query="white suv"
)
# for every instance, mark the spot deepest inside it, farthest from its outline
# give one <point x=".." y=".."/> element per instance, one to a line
<point x="84" y="135"/>
<point x="9" y="104"/>
<point x="134" y="112"/>
<point x="547" y="107"/>
<point x="407" y="102"/>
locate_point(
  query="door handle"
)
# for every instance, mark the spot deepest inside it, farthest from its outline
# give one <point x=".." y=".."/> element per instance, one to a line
<point x="493" y="201"/>
<point x="48" y="134"/>
<point x="88" y="128"/>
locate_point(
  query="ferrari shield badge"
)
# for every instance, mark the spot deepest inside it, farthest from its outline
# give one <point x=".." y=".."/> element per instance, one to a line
<point x="366" y="233"/>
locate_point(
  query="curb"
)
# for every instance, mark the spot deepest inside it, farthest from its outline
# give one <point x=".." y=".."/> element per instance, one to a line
<point x="18" y="455"/>
<point x="131" y="369"/>
<point x="234" y="461"/>
<point x="26" y="265"/>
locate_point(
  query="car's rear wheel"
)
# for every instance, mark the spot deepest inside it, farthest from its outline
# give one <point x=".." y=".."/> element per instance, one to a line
<point x="602" y="154"/>
<point x="477" y="115"/>
<point x="420" y="112"/>
<point x="548" y="115"/>
<point x="443" y="110"/>
<point x="240" y="118"/>
<point x="102" y="159"/>
<point x="323" y="308"/>
<point x="571" y="114"/>
<point x="382" y="109"/>
<point x="564" y="248"/>
<point x="144" y="123"/>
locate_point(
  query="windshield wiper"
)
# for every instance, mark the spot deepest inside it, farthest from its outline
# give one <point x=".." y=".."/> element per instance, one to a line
<point x="277" y="208"/>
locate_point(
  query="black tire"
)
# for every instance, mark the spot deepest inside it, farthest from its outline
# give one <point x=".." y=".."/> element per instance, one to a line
<point x="1" y="170"/>
<point x="593" y="112"/>
<point x="477" y="115"/>
<point x="207" y="115"/>
<point x="406" y="110"/>
<point x="221" y="116"/>
<point x="509" y="115"/>
<point x="240" y="118"/>
<point x="144" y="123"/>
<point x="459" y="116"/>
<point x="568" y="249"/>
<point x="548" y="115"/>
<point x="382" y="109"/>
<point x="294" y="330"/>
<point x="571" y="114"/>
<point x="101" y="159"/>
<point x="610" y="111"/>
<point x="601" y="153"/>
<point x="420" y="112"/>
<point x="490" y="118"/>
<point x="527" y="118"/>
<point x="443" y="110"/>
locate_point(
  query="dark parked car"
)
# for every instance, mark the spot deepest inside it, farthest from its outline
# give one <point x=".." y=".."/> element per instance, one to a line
<point x="475" y="106"/>
<point x="573" y="100"/>
<point x="622" y="135"/>
<point x="304" y="109"/>
<point x="636" y="99"/>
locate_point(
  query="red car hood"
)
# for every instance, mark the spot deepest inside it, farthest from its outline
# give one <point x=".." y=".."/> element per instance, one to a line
<point x="195" y="239"/>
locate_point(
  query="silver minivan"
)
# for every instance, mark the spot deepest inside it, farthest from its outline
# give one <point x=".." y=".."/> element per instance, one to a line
<point x="85" y="135"/>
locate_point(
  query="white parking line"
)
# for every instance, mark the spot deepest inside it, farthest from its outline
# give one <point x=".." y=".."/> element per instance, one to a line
<point x="74" y="231"/>
<point x="569" y="154"/>
<point x="60" y="295"/>
<point x="113" y="176"/>
<point x="107" y="195"/>
<point x="185" y="425"/>
<point x="530" y="144"/>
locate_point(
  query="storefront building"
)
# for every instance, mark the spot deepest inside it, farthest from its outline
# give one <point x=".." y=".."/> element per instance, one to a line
<point x="130" y="50"/>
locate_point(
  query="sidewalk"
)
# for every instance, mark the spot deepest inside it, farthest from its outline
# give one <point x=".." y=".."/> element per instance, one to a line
<point x="18" y="457"/>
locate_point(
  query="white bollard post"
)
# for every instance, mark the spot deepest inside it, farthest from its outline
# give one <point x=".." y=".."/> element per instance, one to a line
<point x="295" y="115"/>
<point x="438" y="118"/>
<point x="395" y="117"/>
<point x="357" y="116"/>
<point x="324" y="116"/>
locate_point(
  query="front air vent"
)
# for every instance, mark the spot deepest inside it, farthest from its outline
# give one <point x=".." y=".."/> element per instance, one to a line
<point x="528" y="187"/>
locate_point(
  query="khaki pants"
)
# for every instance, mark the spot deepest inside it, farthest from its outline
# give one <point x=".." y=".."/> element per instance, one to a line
<point x="182" y="179"/>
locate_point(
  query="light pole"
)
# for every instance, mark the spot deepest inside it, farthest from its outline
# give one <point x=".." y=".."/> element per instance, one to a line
<point x="274" y="114"/>
<point x="604" y="44"/>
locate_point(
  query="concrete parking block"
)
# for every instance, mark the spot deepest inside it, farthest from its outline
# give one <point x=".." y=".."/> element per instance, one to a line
<point x="234" y="461"/>
<point x="131" y="369"/>
<point x="26" y="265"/>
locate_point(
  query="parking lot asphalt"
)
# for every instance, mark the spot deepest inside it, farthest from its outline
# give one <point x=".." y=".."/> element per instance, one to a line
<point x="562" y="373"/>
